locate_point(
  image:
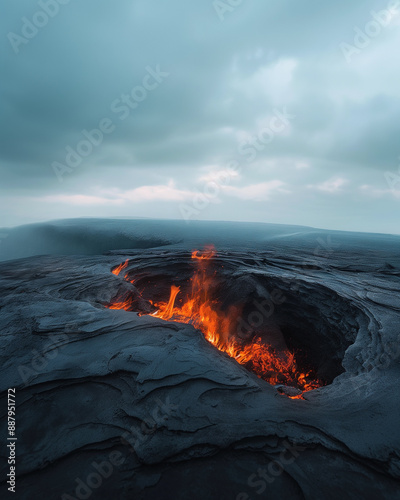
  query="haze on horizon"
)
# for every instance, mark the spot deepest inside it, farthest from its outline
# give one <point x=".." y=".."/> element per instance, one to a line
<point x="279" y="112"/>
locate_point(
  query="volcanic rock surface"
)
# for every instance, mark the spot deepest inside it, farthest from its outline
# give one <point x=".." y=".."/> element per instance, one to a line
<point x="187" y="420"/>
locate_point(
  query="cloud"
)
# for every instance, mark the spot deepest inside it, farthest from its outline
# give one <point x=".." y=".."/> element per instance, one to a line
<point x="145" y="194"/>
<point x="255" y="192"/>
<point x="330" y="186"/>
<point x="142" y="194"/>
<point x="219" y="176"/>
<point x="301" y="165"/>
<point x="80" y="199"/>
<point x="273" y="80"/>
<point x="225" y="81"/>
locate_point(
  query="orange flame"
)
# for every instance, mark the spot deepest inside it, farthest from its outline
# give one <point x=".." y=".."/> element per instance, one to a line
<point x="125" y="304"/>
<point x="204" y="313"/>
<point x="120" y="268"/>
<point x="168" y="309"/>
<point x="208" y="253"/>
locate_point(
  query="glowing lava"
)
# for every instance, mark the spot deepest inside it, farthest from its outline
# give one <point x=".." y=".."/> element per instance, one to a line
<point x="218" y="327"/>
<point x="120" y="268"/>
<point x="125" y="304"/>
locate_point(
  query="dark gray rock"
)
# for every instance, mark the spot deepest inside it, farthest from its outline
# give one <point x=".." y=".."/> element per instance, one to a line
<point x="187" y="420"/>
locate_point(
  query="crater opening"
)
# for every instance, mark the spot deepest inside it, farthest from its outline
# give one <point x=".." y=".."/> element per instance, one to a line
<point x="291" y="333"/>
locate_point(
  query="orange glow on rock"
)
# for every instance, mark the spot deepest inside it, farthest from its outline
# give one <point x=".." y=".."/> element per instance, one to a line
<point x="120" y="268"/>
<point x="126" y="305"/>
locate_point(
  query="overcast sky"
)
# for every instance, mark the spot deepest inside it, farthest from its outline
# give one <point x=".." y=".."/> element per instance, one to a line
<point x="265" y="111"/>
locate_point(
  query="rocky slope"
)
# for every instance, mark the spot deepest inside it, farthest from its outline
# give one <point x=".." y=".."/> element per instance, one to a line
<point x="111" y="404"/>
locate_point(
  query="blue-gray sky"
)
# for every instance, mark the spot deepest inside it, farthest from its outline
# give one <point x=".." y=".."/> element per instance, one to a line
<point x="303" y="97"/>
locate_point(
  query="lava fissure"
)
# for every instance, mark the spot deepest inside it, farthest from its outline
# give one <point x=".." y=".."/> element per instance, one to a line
<point x="202" y="310"/>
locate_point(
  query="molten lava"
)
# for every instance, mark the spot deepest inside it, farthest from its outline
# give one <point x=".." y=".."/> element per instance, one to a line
<point x="120" y="268"/>
<point x="124" y="304"/>
<point x="218" y="327"/>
